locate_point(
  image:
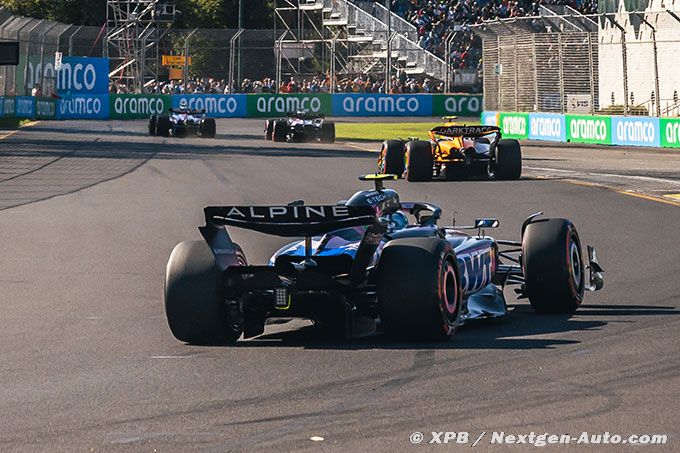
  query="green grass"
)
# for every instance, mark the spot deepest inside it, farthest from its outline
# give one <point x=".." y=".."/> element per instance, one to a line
<point x="377" y="132"/>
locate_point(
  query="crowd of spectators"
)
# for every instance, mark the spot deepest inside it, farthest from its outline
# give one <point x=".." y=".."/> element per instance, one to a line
<point x="435" y="20"/>
<point x="400" y="83"/>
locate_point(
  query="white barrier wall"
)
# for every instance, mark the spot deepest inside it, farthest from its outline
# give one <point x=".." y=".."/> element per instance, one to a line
<point x="640" y="54"/>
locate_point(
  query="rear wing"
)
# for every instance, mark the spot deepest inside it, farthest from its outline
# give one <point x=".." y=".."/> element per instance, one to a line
<point x="292" y="220"/>
<point x="188" y="112"/>
<point x="305" y="115"/>
<point x="465" y="131"/>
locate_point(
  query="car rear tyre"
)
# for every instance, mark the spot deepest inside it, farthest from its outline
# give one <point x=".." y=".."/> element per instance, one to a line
<point x="180" y="131"/>
<point x="280" y="131"/>
<point x="327" y="132"/>
<point x="268" y="129"/>
<point x="163" y="126"/>
<point x="553" y="266"/>
<point x="152" y="125"/>
<point x="508" y="161"/>
<point x="392" y="158"/>
<point x="419" y="293"/>
<point x="195" y="301"/>
<point x="208" y="128"/>
<point x="418" y="161"/>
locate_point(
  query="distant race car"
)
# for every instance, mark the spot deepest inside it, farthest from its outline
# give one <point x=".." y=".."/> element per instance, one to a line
<point x="453" y="152"/>
<point x="300" y="127"/>
<point x="364" y="267"/>
<point x="183" y="122"/>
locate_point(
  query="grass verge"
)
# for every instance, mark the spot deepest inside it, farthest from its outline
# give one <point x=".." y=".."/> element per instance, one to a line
<point x="377" y="132"/>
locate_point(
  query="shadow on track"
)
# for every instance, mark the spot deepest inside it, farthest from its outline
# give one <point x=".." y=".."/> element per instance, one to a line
<point x="168" y="149"/>
<point x="508" y="333"/>
<point x="101" y="132"/>
<point x="35" y="170"/>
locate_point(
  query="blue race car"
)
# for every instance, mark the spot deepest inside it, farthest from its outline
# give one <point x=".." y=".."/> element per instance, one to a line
<point x="371" y="263"/>
<point x="183" y="122"/>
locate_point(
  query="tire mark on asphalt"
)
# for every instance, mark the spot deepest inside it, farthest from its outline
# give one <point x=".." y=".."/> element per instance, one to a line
<point x="224" y="180"/>
<point x="422" y="360"/>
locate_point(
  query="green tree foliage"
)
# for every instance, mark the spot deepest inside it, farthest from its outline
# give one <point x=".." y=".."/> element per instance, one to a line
<point x="194" y="13"/>
<point x="80" y="12"/>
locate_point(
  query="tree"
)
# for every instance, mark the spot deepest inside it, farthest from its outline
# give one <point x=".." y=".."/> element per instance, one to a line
<point x="194" y="13"/>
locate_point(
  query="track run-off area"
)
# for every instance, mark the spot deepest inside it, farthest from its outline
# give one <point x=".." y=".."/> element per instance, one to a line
<point x="90" y="211"/>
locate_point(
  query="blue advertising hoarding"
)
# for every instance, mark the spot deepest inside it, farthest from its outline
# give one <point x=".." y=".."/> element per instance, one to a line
<point x="636" y="131"/>
<point x="83" y="75"/>
<point x="545" y="126"/>
<point x="490" y="118"/>
<point x="215" y="105"/>
<point x="361" y="104"/>
<point x="83" y="106"/>
<point x="24" y="107"/>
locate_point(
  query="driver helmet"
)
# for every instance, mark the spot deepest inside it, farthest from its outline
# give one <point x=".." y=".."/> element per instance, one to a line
<point x="398" y="221"/>
<point x="183" y="104"/>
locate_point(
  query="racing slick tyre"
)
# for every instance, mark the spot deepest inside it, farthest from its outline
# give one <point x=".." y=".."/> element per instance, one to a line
<point x="269" y="129"/>
<point x="554" y="271"/>
<point x="152" y="125"/>
<point x="280" y="131"/>
<point x="418" y="161"/>
<point x="208" y="128"/>
<point x="419" y="292"/>
<point x="327" y="132"/>
<point x="392" y="158"/>
<point x="195" y="302"/>
<point x="163" y="126"/>
<point x="508" y="161"/>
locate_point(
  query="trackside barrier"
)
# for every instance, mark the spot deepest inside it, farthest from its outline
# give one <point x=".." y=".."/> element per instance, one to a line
<point x="596" y="129"/>
<point x="94" y="105"/>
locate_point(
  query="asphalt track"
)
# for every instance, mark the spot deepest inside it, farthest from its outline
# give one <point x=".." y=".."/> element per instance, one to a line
<point x="89" y="212"/>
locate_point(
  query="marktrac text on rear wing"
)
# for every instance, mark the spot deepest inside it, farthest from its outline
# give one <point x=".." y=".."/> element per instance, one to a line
<point x="465" y="131"/>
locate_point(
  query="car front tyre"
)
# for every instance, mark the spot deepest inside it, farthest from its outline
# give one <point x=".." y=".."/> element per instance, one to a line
<point x="554" y="270"/>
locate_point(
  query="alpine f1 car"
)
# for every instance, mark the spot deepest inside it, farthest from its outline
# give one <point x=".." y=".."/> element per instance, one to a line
<point x="369" y="263"/>
<point x="453" y="152"/>
<point x="300" y="127"/>
<point x="182" y="122"/>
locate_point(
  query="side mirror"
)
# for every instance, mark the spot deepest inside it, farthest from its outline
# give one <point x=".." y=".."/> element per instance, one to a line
<point x="486" y="223"/>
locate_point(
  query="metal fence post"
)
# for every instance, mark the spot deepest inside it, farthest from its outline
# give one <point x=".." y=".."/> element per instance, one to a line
<point x="332" y="75"/>
<point x="534" y="56"/>
<point x="560" y="58"/>
<point x="232" y="58"/>
<point x="624" y="57"/>
<point x="70" y="40"/>
<point x="185" y="74"/>
<point x="656" y="66"/>
<point x="591" y="68"/>
<point x="500" y="64"/>
<point x="27" y="91"/>
<point x="42" y="57"/>
<point x="388" y="57"/>
<point x="279" y="57"/>
<point x="514" y="54"/>
<point x="447" y="59"/>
